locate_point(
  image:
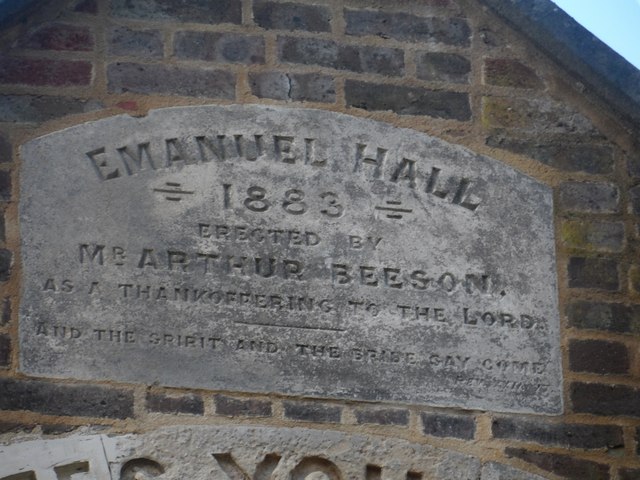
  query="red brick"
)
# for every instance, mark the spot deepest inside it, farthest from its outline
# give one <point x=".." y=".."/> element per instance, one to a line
<point x="598" y="356"/>
<point x="44" y="71"/>
<point x="57" y="36"/>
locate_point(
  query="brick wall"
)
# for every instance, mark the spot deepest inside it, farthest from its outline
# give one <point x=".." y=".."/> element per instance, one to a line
<point x="444" y="67"/>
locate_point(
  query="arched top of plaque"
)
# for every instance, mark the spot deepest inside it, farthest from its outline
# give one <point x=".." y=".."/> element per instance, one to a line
<point x="297" y="251"/>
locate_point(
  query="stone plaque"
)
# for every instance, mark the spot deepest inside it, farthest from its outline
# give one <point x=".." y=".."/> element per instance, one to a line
<point x="304" y="252"/>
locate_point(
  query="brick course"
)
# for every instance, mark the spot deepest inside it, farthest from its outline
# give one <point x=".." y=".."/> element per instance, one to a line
<point x="563" y="465"/>
<point x="597" y="273"/>
<point x="598" y="356"/>
<point x="327" y="53"/>
<point x="312" y="412"/>
<point x="407" y="100"/>
<point x="232" y="407"/>
<point x="291" y="16"/>
<point x="456" y="426"/>
<point x="69" y="400"/>
<point x="602" y="399"/>
<point x="558" y="434"/>
<point x="159" y="402"/>
<point x="196" y="11"/>
<point x="140" y="78"/>
<point x="402" y="26"/>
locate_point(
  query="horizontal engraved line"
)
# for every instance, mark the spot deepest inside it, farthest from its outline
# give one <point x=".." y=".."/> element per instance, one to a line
<point x="330" y="329"/>
<point x="391" y="209"/>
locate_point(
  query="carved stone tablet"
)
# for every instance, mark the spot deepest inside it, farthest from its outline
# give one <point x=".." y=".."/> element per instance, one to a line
<point x="285" y="250"/>
<point x="227" y="452"/>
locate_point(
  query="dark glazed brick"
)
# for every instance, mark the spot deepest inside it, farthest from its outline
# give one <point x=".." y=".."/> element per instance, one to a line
<point x="40" y="108"/>
<point x="5" y="146"/>
<point x="629" y="474"/>
<point x="562" y="465"/>
<point x="291" y="16"/>
<point x="12" y="427"/>
<point x="326" y="53"/>
<point x="312" y="412"/>
<point x="609" y="317"/>
<point x="132" y="77"/>
<point x="5" y="315"/>
<point x="196" y="11"/>
<point x="383" y="416"/>
<point x="510" y="73"/>
<point x="634" y="199"/>
<point x="86" y="6"/>
<point x="6" y="259"/>
<point x="598" y="356"/>
<point x="407" y="100"/>
<point x="59" y="37"/>
<point x="443" y="67"/>
<point x="232" y="407"/>
<point x="44" y="71"/>
<point x="593" y="235"/>
<point x="600" y="273"/>
<point x="456" y="426"/>
<point x="596" y="159"/>
<point x="158" y="402"/>
<point x="310" y="87"/>
<point x="135" y="43"/>
<point x="57" y="429"/>
<point x="5" y="351"/>
<point x="565" y="435"/>
<point x="5" y="186"/>
<point x="589" y="197"/>
<point x="219" y="47"/>
<point x="605" y="399"/>
<point x="402" y="26"/>
<point x="68" y="400"/>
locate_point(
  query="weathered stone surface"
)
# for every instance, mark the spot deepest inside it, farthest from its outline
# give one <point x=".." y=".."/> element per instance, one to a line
<point x="304" y="252"/>
<point x="497" y="471"/>
<point x="245" y="452"/>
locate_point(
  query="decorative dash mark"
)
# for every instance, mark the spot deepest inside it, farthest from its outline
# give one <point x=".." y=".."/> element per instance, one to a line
<point x="394" y="209"/>
<point x="173" y="191"/>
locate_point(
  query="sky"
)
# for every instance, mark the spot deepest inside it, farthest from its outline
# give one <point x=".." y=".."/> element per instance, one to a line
<point x="615" y="22"/>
